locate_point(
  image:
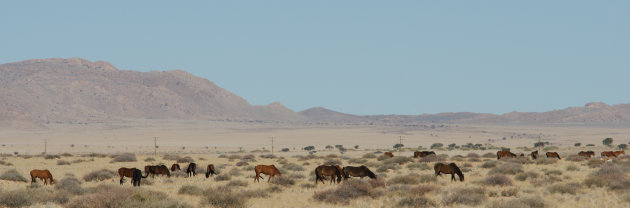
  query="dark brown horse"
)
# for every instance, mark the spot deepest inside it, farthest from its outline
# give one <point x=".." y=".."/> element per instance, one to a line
<point x="608" y="154"/>
<point x="552" y="155"/>
<point x="360" y="171"/>
<point x="588" y="154"/>
<point x="535" y="154"/>
<point x="133" y="173"/>
<point x="327" y="170"/>
<point x="423" y="153"/>
<point x="269" y="170"/>
<point x="389" y="154"/>
<point x="191" y="169"/>
<point x="503" y="153"/>
<point x="42" y="175"/>
<point x="210" y="170"/>
<point x="175" y="167"/>
<point x="157" y="170"/>
<point x="448" y="169"/>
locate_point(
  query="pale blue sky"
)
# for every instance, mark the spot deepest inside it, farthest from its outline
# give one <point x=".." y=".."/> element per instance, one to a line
<point x="361" y="57"/>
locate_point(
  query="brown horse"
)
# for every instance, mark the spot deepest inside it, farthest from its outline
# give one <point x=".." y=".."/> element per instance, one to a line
<point x="552" y="155"/>
<point x="157" y="170"/>
<point x="535" y="154"/>
<point x="210" y="170"/>
<point x="133" y="173"/>
<point x="191" y="169"/>
<point x="327" y="170"/>
<point x="42" y="175"/>
<point x="503" y="153"/>
<point x="269" y="170"/>
<point x="423" y="153"/>
<point x="617" y="153"/>
<point x="361" y="172"/>
<point x="608" y="154"/>
<point x="175" y="167"/>
<point x="586" y="154"/>
<point x="448" y="169"/>
<point x="389" y="154"/>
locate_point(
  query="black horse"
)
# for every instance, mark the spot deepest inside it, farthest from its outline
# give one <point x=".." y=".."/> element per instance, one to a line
<point x="191" y="169"/>
<point x="360" y="171"/>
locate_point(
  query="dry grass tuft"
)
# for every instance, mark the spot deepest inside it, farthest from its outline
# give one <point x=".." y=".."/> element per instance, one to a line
<point x="100" y="175"/>
<point x="125" y="157"/>
<point x="405" y="179"/>
<point x="565" y="188"/>
<point x="369" y="155"/>
<point x="283" y="180"/>
<point x="489" y="164"/>
<point x="12" y="175"/>
<point x="465" y="196"/>
<point x="62" y="162"/>
<point x="497" y="180"/>
<point x="525" y="202"/>
<point x="351" y="189"/>
<point x="423" y="189"/>
<point x="190" y="190"/>
<point x="524" y="176"/>
<point x="70" y="184"/>
<point x="508" y="168"/>
<point x="416" y="201"/>
<point x="223" y="197"/>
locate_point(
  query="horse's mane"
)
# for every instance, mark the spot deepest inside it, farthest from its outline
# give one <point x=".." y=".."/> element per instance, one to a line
<point x="369" y="173"/>
<point x="457" y="171"/>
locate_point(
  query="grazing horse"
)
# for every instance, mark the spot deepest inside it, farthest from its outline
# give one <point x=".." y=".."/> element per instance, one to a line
<point x="535" y="154"/>
<point x="361" y="172"/>
<point x="617" y="153"/>
<point x="137" y="176"/>
<point x="210" y="170"/>
<point x="127" y="172"/>
<point x="42" y="175"/>
<point x="175" y="167"/>
<point x="423" y="153"/>
<point x="608" y="154"/>
<point x="503" y="153"/>
<point x="269" y="170"/>
<point x="553" y="154"/>
<point x="157" y="170"/>
<point x="327" y="170"/>
<point x="448" y="169"/>
<point x="389" y="154"/>
<point x="191" y="169"/>
<point x="586" y="154"/>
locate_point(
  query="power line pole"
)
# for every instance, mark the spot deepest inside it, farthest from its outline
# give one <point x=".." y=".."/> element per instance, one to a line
<point x="155" y="145"/>
<point x="272" y="145"/>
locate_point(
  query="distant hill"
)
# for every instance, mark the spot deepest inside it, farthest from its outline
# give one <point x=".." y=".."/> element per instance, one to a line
<point x="35" y="93"/>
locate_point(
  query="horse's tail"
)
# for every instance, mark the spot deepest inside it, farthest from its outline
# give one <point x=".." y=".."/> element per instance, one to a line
<point x="317" y="176"/>
<point x="338" y="175"/>
<point x="458" y="171"/>
<point x="147" y="173"/>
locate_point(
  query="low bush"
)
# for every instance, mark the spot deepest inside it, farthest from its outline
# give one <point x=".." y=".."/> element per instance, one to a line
<point x="332" y="162"/>
<point x="553" y="172"/>
<point x="190" y="190"/>
<point x="70" y="184"/>
<point x="18" y="198"/>
<point x="223" y="197"/>
<point x="385" y="167"/>
<point x="283" y="180"/>
<point x="508" y="168"/>
<point x="575" y="158"/>
<point x="545" y="161"/>
<point x="186" y="159"/>
<point x="565" y="188"/>
<point x="293" y="167"/>
<point x="223" y="177"/>
<point x="509" y="192"/>
<point x="524" y="176"/>
<point x="472" y="155"/>
<point x="268" y="156"/>
<point x="357" y="161"/>
<point x="416" y="201"/>
<point x="525" y="202"/>
<point x="428" y="178"/>
<point x="237" y="183"/>
<point x="466" y="196"/>
<point x="572" y="167"/>
<point x="100" y="175"/>
<point x="12" y="175"/>
<point x="307" y="185"/>
<point x="50" y="157"/>
<point x="351" y="189"/>
<point x="429" y="158"/>
<point x="382" y="157"/>
<point x="62" y="162"/>
<point x="242" y="163"/>
<point x="489" y="164"/>
<point x="125" y="157"/>
<point x="489" y="155"/>
<point x="369" y="155"/>
<point x="400" y="160"/>
<point x="405" y="179"/>
<point x="497" y="180"/>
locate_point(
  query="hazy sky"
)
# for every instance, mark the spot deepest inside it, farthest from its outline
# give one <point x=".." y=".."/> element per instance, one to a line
<point x="361" y="57"/>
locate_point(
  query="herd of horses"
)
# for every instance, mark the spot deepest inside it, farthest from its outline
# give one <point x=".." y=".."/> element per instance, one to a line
<point x="335" y="172"/>
<point x="534" y="154"/>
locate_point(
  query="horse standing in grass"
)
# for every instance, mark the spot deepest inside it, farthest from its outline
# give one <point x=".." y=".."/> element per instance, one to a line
<point x="617" y="153"/>
<point x="327" y="170"/>
<point x="423" y="153"/>
<point x="191" y="169"/>
<point x="43" y="175"/>
<point x="269" y="170"/>
<point x="210" y="170"/>
<point x="535" y="154"/>
<point x="157" y="170"/>
<point x="388" y="154"/>
<point x="137" y="176"/>
<point x="503" y="153"/>
<point x="552" y="155"/>
<point x="608" y="154"/>
<point x="588" y="154"/>
<point x="360" y="171"/>
<point x="448" y="169"/>
<point x="175" y="167"/>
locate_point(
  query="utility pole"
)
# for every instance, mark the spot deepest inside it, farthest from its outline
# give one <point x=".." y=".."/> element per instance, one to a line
<point x="272" y="145"/>
<point x="155" y="145"/>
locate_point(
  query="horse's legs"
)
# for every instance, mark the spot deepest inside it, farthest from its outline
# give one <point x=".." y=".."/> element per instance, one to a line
<point x="270" y="176"/>
<point x="33" y="179"/>
<point x="256" y="177"/>
<point x="121" y="180"/>
<point x="452" y="176"/>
